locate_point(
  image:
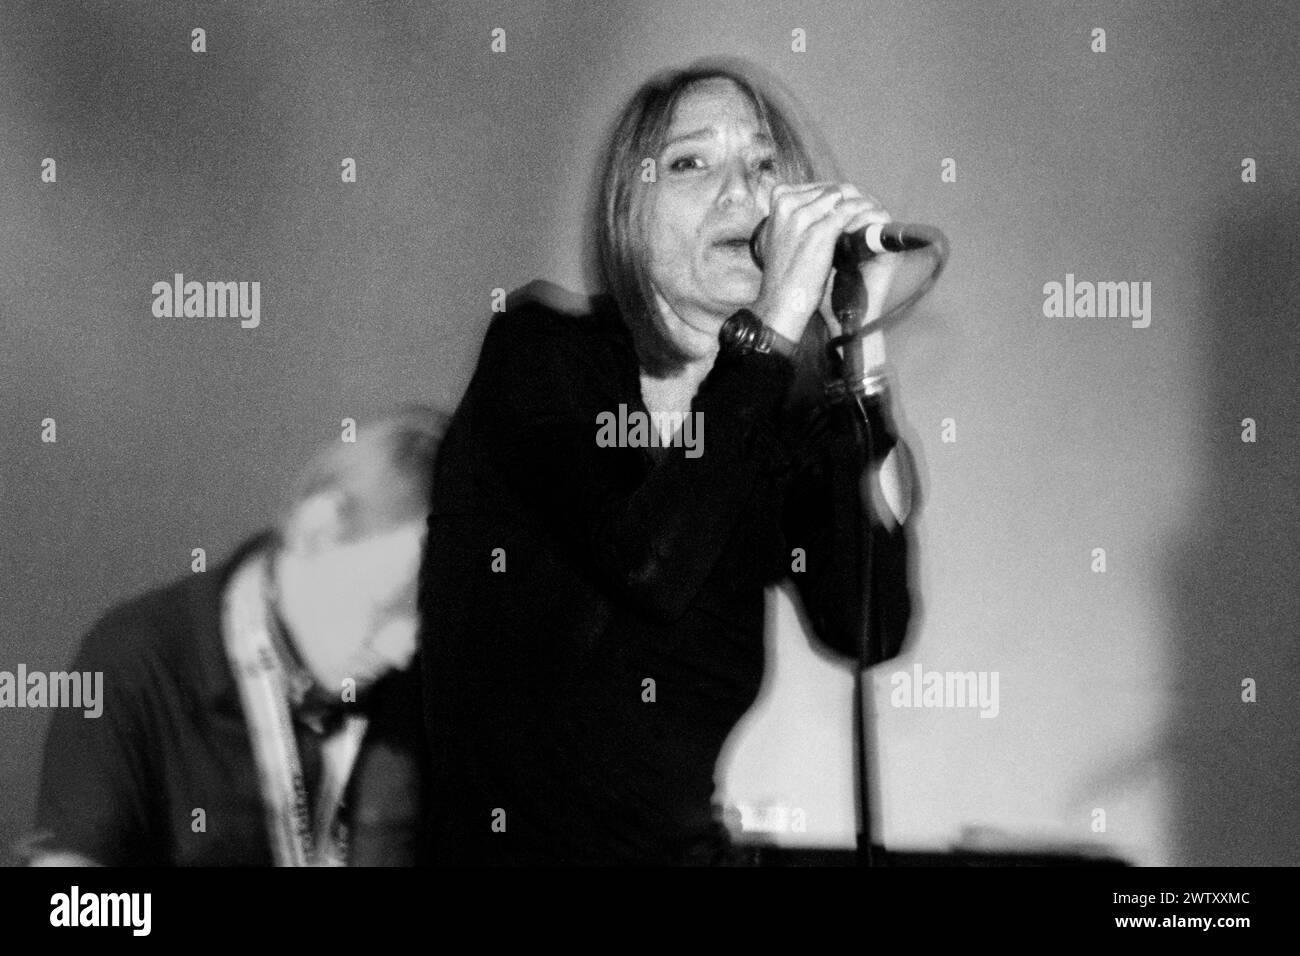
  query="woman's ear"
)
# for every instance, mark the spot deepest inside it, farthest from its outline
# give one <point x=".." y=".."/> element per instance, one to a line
<point x="316" y="522"/>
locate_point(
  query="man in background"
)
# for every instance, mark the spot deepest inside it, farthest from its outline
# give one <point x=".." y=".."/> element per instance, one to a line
<point x="268" y="711"/>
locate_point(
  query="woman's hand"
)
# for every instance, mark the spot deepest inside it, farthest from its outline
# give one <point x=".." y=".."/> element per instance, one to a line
<point x="799" y="240"/>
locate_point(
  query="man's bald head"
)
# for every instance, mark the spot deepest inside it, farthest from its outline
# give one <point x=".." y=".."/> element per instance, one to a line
<point x="350" y="539"/>
<point x="381" y="480"/>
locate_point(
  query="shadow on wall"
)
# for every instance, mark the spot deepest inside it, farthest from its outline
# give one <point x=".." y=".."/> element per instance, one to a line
<point x="1230" y="573"/>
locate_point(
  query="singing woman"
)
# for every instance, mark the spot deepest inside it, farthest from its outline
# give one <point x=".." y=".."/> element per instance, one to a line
<point x="594" y="610"/>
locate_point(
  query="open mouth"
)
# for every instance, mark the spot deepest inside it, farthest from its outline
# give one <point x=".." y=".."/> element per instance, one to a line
<point x="736" y="244"/>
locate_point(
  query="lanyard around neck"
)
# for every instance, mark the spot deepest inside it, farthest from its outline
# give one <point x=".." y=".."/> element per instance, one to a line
<point x="296" y="839"/>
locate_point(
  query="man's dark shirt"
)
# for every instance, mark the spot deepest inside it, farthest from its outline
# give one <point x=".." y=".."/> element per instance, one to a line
<point x="124" y="788"/>
<point x="562" y="577"/>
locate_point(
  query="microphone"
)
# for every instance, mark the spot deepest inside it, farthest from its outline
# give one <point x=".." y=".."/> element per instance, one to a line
<point x="882" y="237"/>
<point x="860" y="244"/>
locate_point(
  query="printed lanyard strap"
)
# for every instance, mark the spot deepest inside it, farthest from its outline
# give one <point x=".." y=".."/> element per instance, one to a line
<point x="263" y="693"/>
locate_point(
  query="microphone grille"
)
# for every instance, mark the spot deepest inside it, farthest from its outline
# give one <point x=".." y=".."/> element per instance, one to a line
<point x="756" y="242"/>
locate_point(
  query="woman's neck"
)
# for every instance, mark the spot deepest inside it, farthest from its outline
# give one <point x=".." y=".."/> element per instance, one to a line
<point x="674" y="390"/>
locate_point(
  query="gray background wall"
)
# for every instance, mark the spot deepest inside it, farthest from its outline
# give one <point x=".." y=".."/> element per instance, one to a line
<point x="1119" y="691"/>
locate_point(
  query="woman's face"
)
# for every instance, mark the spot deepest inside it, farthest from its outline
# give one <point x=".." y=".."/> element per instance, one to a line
<point x="714" y="178"/>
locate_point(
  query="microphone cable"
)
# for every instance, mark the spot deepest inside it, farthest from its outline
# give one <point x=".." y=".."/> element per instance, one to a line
<point x="939" y="247"/>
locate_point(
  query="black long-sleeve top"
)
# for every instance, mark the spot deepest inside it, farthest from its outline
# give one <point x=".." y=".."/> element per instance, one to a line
<point x="593" y="616"/>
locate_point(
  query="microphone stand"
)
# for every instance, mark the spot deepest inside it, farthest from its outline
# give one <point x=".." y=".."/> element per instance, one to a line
<point x="854" y="385"/>
<point x="851" y="382"/>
